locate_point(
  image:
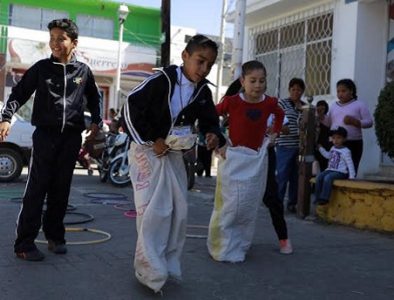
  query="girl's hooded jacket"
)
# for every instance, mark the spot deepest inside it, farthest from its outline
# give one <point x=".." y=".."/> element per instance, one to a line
<point x="146" y="116"/>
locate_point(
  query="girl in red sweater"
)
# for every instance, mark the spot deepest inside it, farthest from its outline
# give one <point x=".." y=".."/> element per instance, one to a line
<point x="233" y="219"/>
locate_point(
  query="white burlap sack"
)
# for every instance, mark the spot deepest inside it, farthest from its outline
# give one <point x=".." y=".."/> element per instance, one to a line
<point x="160" y="191"/>
<point x="240" y="187"/>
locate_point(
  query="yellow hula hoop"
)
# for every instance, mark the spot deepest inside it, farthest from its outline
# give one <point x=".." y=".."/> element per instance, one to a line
<point x="106" y="235"/>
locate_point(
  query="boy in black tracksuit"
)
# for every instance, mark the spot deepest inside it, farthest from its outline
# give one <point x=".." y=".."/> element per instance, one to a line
<point x="166" y="105"/>
<point x="60" y="84"/>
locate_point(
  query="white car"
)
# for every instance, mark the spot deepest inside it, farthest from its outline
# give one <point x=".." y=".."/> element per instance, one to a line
<point x="16" y="149"/>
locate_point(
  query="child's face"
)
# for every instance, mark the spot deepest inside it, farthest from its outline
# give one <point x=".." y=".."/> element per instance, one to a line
<point x="295" y="92"/>
<point x="320" y="110"/>
<point x="196" y="66"/>
<point x="61" y="45"/>
<point x="344" y="94"/>
<point x="254" y="84"/>
<point x="338" y="140"/>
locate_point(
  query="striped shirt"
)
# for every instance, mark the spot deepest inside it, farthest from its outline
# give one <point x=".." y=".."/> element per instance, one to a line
<point x="291" y="140"/>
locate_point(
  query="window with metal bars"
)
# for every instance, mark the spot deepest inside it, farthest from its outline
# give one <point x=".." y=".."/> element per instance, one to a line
<point x="33" y="17"/>
<point x="300" y="48"/>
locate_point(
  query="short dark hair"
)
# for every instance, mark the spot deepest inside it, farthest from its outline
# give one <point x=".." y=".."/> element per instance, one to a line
<point x="339" y="131"/>
<point x="200" y="41"/>
<point x="348" y="83"/>
<point x="252" y="65"/>
<point x="67" y="25"/>
<point x="297" y="81"/>
<point x="323" y="103"/>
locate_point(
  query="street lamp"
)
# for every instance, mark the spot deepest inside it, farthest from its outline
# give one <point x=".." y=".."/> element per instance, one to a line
<point x="123" y="11"/>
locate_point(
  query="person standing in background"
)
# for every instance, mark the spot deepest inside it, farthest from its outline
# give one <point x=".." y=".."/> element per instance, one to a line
<point x="352" y="114"/>
<point x="288" y="145"/>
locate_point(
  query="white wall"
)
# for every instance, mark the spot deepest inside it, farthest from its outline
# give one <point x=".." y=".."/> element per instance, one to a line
<point x="358" y="52"/>
<point x="369" y="74"/>
<point x="343" y="42"/>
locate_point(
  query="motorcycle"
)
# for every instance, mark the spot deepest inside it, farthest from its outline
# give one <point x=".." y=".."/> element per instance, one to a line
<point x="118" y="170"/>
<point x="114" y="144"/>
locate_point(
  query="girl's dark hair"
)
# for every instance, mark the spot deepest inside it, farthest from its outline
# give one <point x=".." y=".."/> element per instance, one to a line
<point x="297" y="81"/>
<point x="252" y="65"/>
<point x="234" y="88"/>
<point x="67" y="25"/>
<point x="323" y="103"/>
<point x="348" y="83"/>
<point x="200" y="41"/>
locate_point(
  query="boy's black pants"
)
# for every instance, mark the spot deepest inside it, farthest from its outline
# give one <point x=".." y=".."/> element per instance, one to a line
<point x="271" y="199"/>
<point x="51" y="168"/>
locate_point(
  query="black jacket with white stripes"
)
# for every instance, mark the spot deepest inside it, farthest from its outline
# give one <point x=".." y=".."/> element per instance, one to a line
<point x="60" y="94"/>
<point x="146" y="115"/>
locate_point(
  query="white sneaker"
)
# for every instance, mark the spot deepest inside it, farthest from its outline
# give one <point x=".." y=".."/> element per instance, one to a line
<point x="285" y="247"/>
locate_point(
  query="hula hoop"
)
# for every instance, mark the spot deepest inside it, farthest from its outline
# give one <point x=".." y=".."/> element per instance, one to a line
<point x="198" y="226"/>
<point x="106" y="235"/>
<point x="197" y="236"/>
<point x="107" y="201"/>
<point x="112" y="196"/>
<point x="16" y="199"/>
<point x="88" y="218"/>
<point x="123" y="206"/>
<point x="131" y="213"/>
<point x="71" y="207"/>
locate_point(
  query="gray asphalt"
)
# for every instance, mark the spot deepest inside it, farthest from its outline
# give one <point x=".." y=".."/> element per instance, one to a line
<point x="329" y="261"/>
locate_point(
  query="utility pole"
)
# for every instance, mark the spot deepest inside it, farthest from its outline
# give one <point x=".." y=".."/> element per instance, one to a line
<point x="238" y="43"/>
<point x="166" y="32"/>
<point x="219" y="74"/>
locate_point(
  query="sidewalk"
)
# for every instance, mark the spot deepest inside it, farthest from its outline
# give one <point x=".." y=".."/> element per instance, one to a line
<point x="329" y="262"/>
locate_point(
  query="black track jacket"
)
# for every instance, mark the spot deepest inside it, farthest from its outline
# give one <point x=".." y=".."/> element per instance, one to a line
<point x="61" y="90"/>
<point x="146" y="115"/>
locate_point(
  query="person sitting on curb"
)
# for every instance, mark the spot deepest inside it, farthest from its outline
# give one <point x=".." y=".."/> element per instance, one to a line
<point x="340" y="165"/>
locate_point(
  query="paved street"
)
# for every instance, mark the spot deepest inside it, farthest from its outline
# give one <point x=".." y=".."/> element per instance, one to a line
<point x="329" y="262"/>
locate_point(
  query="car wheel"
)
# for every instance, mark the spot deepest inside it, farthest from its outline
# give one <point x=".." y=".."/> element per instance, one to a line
<point x="11" y="164"/>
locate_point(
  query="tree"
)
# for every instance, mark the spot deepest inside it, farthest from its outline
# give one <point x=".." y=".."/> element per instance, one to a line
<point x="384" y="119"/>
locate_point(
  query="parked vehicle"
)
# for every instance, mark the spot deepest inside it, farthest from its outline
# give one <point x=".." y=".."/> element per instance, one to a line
<point x="114" y="145"/>
<point x="119" y="165"/>
<point x="16" y="149"/>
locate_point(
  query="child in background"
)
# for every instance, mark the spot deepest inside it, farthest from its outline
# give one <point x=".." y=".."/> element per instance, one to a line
<point x="340" y="166"/>
<point x="323" y="133"/>
<point x="352" y="114"/>
<point x="158" y="116"/>
<point x="247" y="113"/>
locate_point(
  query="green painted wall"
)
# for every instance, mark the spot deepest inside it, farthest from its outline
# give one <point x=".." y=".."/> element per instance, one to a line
<point x="143" y="25"/>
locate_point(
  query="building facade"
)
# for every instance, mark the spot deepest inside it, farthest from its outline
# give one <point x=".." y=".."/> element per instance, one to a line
<point x="323" y="41"/>
<point x="24" y="40"/>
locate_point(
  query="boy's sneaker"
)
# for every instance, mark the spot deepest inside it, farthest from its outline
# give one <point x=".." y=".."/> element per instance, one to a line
<point x="57" y="248"/>
<point x="285" y="247"/>
<point x="33" y="255"/>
